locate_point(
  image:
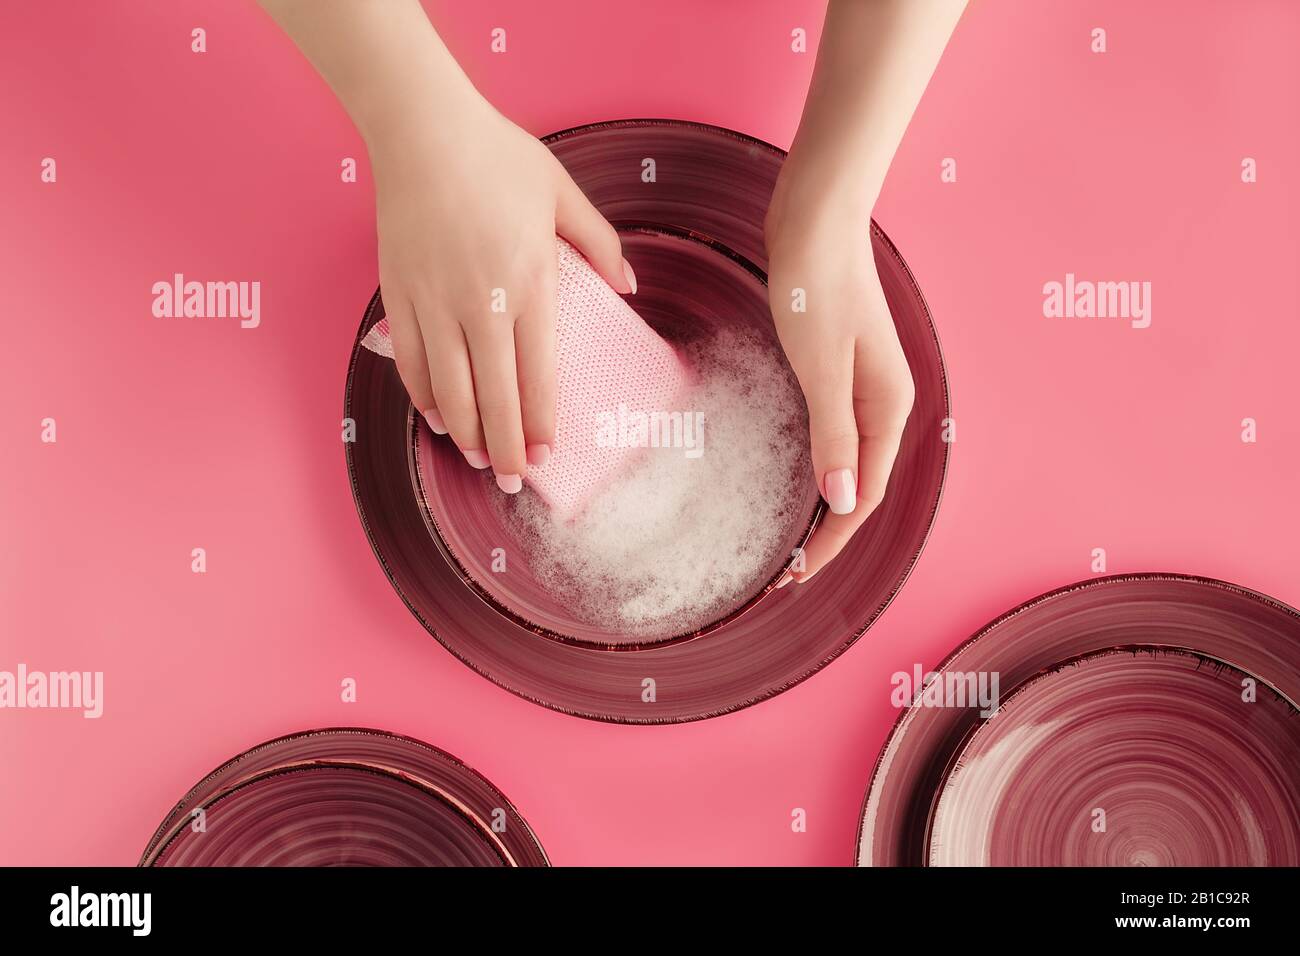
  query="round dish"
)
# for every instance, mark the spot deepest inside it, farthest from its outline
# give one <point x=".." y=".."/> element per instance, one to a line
<point x="344" y="796"/>
<point x="689" y="291"/>
<point x="713" y="184"/>
<point x="1073" y="635"/>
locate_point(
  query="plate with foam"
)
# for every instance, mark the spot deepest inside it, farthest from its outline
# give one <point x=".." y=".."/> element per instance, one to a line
<point x="658" y="601"/>
<point x="1141" y="720"/>
<point x="710" y="503"/>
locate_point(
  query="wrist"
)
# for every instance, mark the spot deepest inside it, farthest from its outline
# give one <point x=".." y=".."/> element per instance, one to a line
<point x="423" y="118"/>
<point x="425" y="133"/>
<point x="809" y="208"/>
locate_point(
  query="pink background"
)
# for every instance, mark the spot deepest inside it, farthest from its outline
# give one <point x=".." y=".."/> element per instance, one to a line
<point x="175" y="434"/>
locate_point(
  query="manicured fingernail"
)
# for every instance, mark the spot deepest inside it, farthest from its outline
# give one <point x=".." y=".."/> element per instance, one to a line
<point x="840" y="489"/>
<point x="786" y="579"/>
<point x="510" y="484"/>
<point x="476" y="457"/>
<point x="435" y="421"/>
<point x="538" y="455"/>
<point x="629" y="275"/>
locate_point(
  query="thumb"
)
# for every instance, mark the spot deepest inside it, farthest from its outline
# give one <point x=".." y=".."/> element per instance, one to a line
<point x="834" y="433"/>
<point x="578" y="221"/>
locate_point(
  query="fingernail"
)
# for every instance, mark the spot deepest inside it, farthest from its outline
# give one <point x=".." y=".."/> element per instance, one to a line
<point x="841" y="490"/>
<point x="510" y="484"/>
<point x="786" y="579"/>
<point x="537" y="455"/>
<point x="629" y="275"/>
<point x="435" y="421"/>
<point x="476" y="457"/>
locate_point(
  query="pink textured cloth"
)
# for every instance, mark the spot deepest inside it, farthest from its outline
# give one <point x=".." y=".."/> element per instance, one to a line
<point x="607" y="358"/>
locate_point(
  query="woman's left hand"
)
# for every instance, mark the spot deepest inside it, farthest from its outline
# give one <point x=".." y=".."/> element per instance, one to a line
<point x="845" y="352"/>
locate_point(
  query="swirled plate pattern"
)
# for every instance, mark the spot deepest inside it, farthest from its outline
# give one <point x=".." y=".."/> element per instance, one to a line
<point x="1144" y="720"/>
<point x="344" y="797"/>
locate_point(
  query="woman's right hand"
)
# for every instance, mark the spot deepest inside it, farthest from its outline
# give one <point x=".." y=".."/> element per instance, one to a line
<point x="469" y="206"/>
<point x="468" y="209"/>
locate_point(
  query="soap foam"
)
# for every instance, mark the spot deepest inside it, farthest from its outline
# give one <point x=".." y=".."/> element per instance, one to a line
<point x="676" y="542"/>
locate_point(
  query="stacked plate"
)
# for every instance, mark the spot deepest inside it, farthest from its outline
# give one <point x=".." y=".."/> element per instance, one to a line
<point x="1142" y="720"/>
<point x="694" y="231"/>
<point x="344" y="797"/>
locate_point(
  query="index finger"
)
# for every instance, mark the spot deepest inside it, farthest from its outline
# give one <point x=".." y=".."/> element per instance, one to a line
<point x="876" y="457"/>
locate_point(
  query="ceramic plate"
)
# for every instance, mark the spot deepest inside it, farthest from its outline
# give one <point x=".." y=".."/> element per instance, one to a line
<point x="344" y="797"/>
<point x="713" y="184"/>
<point x="1143" y="720"/>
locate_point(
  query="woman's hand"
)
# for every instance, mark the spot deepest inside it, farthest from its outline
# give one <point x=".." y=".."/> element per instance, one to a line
<point x="469" y="206"/>
<point x="467" y="220"/>
<point x="873" y="62"/>
<point x="846" y="354"/>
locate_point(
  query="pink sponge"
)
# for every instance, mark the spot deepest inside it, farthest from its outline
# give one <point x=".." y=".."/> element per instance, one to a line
<point x="608" y="363"/>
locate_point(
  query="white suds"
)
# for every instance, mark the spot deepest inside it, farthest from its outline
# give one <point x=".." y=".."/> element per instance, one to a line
<point x="677" y="542"/>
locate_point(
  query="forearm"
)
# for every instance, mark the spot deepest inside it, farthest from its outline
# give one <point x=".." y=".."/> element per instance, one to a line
<point x="873" y="63"/>
<point x="384" y="62"/>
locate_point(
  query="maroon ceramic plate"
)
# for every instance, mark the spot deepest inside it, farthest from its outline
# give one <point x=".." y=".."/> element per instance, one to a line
<point x="1144" y="720"/>
<point x="344" y="797"/>
<point x="688" y="291"/>
<point x="714" y="184"/>
<point x="1128" y="758"/>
